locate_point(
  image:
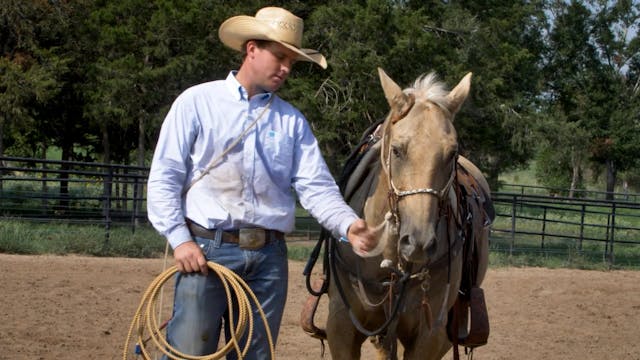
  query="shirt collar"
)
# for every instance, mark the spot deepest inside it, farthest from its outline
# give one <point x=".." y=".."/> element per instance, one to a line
<point x="239" y="92"/>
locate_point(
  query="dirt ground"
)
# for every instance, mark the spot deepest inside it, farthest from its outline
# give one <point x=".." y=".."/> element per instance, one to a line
<point x="71" y="307"/>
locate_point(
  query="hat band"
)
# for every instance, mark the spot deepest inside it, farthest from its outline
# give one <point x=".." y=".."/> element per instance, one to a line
<point x="284" y="25"/>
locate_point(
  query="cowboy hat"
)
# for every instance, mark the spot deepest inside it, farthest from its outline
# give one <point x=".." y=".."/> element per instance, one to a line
<point x="273" y="24"/>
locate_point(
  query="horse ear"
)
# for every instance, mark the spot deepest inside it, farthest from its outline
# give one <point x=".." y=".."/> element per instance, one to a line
<point x="399" y="102"/>
<point x="459" y="94"/>
<point x="390" y="88"/>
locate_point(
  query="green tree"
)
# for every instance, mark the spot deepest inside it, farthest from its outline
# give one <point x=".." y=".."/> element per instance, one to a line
<point x="146" y="53"/>
<point x="34" y="67"/>
<point x="570" y="58"/>
<point x="342" y="101"/>
<point x="615" y="33"/>
<point x="592" y="84"/>
<point x="505" y="53"/>
<point x="560" y="151"/>
<point x="498" y="41"/>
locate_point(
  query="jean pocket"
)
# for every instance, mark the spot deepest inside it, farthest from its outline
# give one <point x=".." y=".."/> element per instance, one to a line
<point x="205" y="244"/>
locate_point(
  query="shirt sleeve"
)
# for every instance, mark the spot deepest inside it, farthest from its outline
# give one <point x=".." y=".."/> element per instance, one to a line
<point x="316" y="188"/>
<point x="168" y="173"/>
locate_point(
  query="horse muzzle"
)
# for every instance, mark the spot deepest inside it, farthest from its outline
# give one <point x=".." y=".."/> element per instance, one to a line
<point x="415" y="248"/>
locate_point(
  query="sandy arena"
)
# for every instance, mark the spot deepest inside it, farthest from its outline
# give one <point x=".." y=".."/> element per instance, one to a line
<point x="71" y="307"/>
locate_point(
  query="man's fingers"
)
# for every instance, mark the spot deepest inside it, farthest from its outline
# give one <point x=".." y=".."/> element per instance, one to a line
<point x="365" y="245"/>
<point x="360" y="225"/>
<point x="198" y="264"/>
<point x="187" y="267"/>
<point x="189" y="258"/>
<point x="202" y="263"/>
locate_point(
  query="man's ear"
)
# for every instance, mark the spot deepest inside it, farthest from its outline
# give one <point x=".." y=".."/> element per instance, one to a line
<point x="249" y="47"/>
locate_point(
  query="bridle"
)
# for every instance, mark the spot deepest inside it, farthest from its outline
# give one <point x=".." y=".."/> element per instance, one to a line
<point x="396" y="194"/>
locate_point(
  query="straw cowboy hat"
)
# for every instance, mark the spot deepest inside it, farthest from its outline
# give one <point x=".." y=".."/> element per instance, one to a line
<point x="273" y="24"/>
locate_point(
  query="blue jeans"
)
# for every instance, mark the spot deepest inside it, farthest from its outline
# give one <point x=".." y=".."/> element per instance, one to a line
<point x="200" y="303"/>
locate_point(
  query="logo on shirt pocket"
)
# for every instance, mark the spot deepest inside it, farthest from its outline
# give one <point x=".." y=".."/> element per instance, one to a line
<point x="278" y="150"/>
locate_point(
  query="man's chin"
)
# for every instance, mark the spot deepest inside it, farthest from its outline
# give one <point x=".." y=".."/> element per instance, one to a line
<point x="275" y="87"/>
<point x="270" y="89"/>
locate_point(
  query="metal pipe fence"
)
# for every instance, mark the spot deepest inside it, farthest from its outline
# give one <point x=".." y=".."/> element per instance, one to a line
<point x="585" y="227"/>
<point x="526" y="222"/>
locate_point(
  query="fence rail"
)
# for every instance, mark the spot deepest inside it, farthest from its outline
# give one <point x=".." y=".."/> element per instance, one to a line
<point x="80" y="192"/>
<point x="578" y="193"/>
<point x="72" y="191"/>
<point x="594" y="227"/>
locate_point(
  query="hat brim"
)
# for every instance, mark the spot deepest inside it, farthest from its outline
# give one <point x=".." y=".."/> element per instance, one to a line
<point x="236" y="31"/>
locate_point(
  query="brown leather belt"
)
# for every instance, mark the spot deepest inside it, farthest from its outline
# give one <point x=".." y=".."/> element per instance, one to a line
<point x="230" y="236"/>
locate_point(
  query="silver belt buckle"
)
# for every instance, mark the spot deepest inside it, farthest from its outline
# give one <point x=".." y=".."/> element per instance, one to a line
<point x="251" y="239"/>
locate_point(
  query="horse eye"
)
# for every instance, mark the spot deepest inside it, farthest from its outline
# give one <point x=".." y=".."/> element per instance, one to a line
<point x="397" y="151"/>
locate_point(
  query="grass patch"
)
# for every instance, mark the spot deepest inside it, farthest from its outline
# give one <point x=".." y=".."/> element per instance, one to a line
<point x="21" y="237"/>
<point x="300" y="252"/>
<point x="24" y="237"/>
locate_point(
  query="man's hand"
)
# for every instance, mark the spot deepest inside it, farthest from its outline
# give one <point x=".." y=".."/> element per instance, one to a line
<point x="189" y="258"/>
<point x="361" y="237"/>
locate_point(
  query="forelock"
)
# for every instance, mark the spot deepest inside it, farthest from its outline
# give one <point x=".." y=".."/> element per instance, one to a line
<point x="429" y="87"/>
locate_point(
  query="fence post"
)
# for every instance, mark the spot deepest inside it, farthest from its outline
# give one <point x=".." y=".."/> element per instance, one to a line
<point x="513" y="224"/>
<point x="45" y="190"/>
<point x="544" y="226"/>
<point x="582" y="213"/>
<point x="610" y="258"/>
<point x="106" y="206"/>
<point x="134" y="210"/>
<point x="2" y="166"/>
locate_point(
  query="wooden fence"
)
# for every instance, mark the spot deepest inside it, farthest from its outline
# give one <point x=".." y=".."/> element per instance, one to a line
<point x="527" y="221"/>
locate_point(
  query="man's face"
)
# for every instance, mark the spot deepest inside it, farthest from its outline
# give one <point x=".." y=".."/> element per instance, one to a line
<point x="271" y="64"/>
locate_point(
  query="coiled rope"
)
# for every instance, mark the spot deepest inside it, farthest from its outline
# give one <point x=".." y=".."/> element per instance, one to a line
<point x="145" y="320"/>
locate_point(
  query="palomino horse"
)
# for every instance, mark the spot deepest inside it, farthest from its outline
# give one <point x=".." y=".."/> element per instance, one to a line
<point x="429" y="205"/>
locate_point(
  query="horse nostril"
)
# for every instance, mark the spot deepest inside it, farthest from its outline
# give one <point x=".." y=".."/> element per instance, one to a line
<point x="431" y="248"/>
<point x="406" y="246"/>
<point x="405" y="241"/>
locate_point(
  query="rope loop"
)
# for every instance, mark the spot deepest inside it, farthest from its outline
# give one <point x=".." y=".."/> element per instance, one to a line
<point x="145" y="321"/>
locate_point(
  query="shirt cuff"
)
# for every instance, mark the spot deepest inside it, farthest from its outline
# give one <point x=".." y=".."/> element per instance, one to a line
<point x="344" y="226"/>
<point x="178" y="236"/>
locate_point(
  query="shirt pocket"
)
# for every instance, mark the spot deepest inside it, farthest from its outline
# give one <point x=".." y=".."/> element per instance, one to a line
<point x="278" y="153"/>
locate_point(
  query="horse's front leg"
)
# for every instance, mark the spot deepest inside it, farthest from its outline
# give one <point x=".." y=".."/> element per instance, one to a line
<point x="345" y="341"/>
<point x="386" y="348"/>
<point x="430" y="345"/>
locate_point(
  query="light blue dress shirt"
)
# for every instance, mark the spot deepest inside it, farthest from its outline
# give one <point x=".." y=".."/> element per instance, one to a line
<point x="251" y="186"/>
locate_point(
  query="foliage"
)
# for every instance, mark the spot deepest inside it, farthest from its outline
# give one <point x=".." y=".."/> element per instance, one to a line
<point x="42" y="238"/>
<point x="560" y="151"/>
<point x="95" y="78"/>
<point x="505" y="53"/>
<point x="18" y="237"/>
<point x="34" y="63"/>
<point x="592" y="82"/>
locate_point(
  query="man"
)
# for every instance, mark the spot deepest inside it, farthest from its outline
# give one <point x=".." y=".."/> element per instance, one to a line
<point x="228" y="155"/>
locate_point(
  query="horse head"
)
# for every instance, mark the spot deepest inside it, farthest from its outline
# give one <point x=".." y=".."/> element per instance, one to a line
<point x="419" y="151"/>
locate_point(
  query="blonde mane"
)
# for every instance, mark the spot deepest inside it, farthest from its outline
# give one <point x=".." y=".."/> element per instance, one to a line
<point x="428" y="87"/>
